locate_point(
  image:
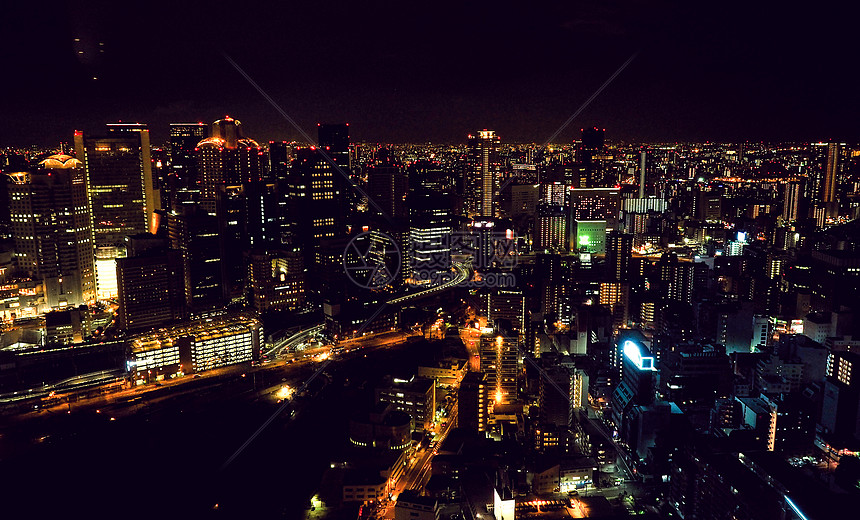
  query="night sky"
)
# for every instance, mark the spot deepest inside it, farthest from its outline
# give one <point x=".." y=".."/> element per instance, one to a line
<point x="434" y="71"/>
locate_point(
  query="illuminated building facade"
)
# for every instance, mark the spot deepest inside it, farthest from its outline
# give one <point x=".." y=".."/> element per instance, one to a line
<point x="199" y="345"/>
<point x="119" y="182"/>
<point x="276" y="280"/>
<point x="50" y="223"/>
<point x="182" y="145"/>
<point x="499" y="362"/>
<point x="638" y="377"/>
<point x="417" y="397"/>
<point x="595" y="204"/>
<point x="550" y="228"/>
<point x="589" y="236"/>
<point x="482" y="176"/>
<point x="474" y="399"/>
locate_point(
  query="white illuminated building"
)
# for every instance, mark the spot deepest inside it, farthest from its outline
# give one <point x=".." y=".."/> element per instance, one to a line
<point x="195" y="346"/>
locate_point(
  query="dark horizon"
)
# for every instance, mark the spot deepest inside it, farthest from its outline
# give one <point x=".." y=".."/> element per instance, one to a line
<point x="413" y="74"/>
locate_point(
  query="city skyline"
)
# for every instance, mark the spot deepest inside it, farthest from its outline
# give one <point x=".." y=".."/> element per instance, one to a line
<point x="462" y="261"/>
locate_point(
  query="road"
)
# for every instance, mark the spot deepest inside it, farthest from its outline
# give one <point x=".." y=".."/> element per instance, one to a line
<point x="462" y="276"/>
<point x="285" y="344"/>
<point x="419" y="470"/>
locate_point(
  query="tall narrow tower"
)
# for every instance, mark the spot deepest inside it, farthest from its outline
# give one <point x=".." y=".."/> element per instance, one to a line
<point x="483" y="174"/>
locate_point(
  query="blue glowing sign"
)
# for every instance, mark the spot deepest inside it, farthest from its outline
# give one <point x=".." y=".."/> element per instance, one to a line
<point x="633" y="352"/>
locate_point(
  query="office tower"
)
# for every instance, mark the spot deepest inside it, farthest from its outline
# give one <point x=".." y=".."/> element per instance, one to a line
<point x="182" y="147"/>
<point x="588" y="236"/>
<point x="280" y="156"/>
<point x="262" y="224"/>
<point x="591" y="156"/>
<point x="508" y="305"/>
<point x="619" y="248"/>
<point x="709" y="206"/>
<point x="638" y="377"/>
<point x="550" y="228"/>
<point x="593" y="138"/>
<point x="151" y="284"/>
<point x="615" y="295"/>
<point x="642" y="158"/>
<point x="315" y="200"/>
<point x="792" y="201"/>
<point x="227" y="158"/>
<point x="499" y="363"/>
<point x="676" y="278"/>
<point x="334" y="139"/>
<point x="276" y="280"/>
<point x="50" y="223"/>
<point x="428" y="250"/>
<point x="482" y="176"/>
<point x="524" y="199"/>
<point x="473" y="402"/>
<point x="554" y="193"/>
<point x="595" y="204"/>
<point x="195" y="233"/>
<point x="387" y="186"/>
<point x="119" y="182"/>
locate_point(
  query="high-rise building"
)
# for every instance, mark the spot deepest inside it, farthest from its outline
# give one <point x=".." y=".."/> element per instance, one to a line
<point x="428" y="248"/>
<point x="550" y="228"/>
<point x="119" y="182"/>
<point x="280" y="156"/>
<point x="638" y="379"/>
<point x="676" y="278"/>
<point x="334" y="139"/>
<point x="315" y="194"/>
<point x="182" y="148"/>
<point x="227" y="158"/>
<point x="482" y="177"/>
<point x="276" y="280"/>
<point x="151" y="284"/>
<point x="473" y="402"/>
<point x="619" y="247"/>
<point x="50" y="223"/>
<point x="195" y="233"/>
<point x="823" y="172"/>
<point x="595" y="204"/>
<point x="840" y="414"/>
<point x="387" y="186"/>
<point x="499" y="363"/>
<point x="792" y="201"/>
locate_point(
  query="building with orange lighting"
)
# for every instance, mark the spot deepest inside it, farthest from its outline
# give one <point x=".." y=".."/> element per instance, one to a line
<point x="50" y="223"/>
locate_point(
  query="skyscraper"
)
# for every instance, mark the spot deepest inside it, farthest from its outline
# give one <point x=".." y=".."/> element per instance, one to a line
<point x="499" y="363"/>
<point x="151" y="284"/>
<point x="792" y="200"/>
<point x="550" y="228"/>
<point x="638" y="379"/>
<point x="595" y="204"/>
<point x="387" y="185"/>
<point x="618" y="252"/>
<point x="118" y="174"/>
<point x="227" y="158"/>
<point x="51" y="225"/>
<point x="482" y="176"/>
<point x="825" y="168"/>
<point x="183" y="143"/>
<point x="334" y="139"/>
